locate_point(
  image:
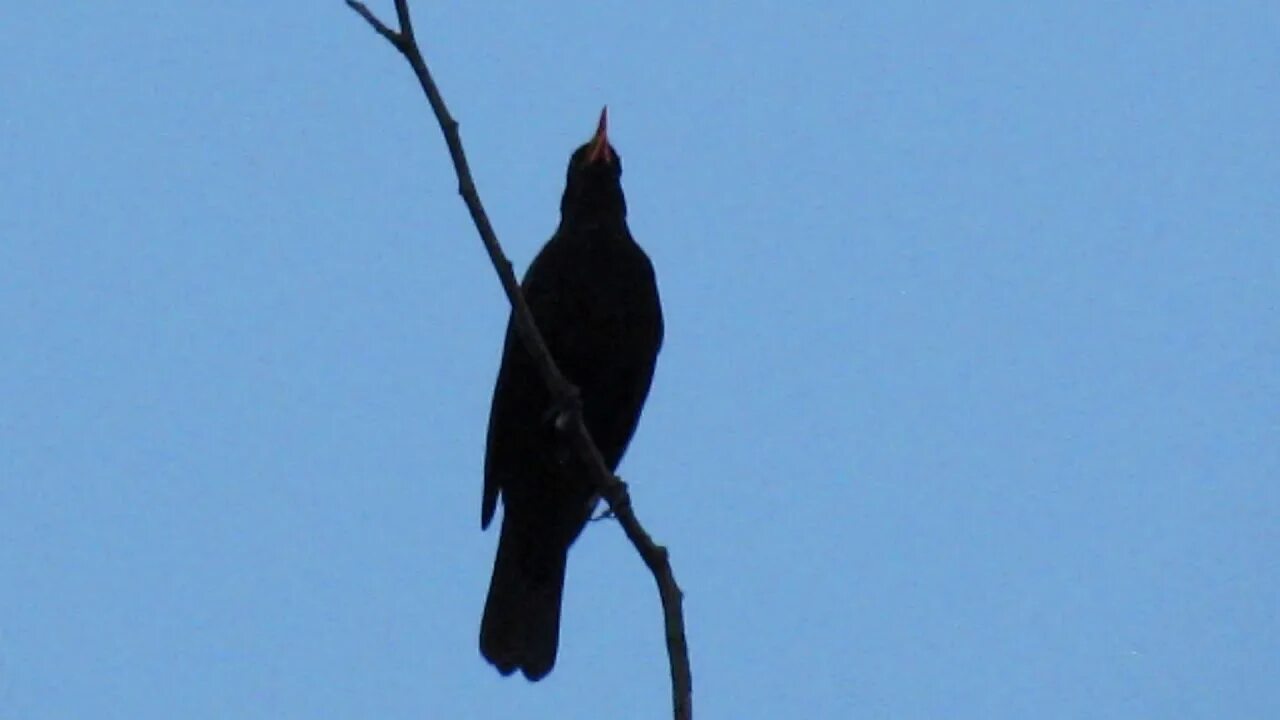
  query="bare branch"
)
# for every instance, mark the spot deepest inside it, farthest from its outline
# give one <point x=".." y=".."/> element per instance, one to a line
<point x="364" y="12"/>
<point x="565" y="396"/>
<point x="402" y="17"/>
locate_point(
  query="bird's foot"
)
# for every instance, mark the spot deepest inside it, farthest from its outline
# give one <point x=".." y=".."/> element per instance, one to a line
<point x="563" y="407"/>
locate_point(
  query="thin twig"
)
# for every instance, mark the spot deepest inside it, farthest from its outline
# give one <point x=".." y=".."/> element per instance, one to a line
<point x="563" y="392"/>
<point x="386" y="32"/>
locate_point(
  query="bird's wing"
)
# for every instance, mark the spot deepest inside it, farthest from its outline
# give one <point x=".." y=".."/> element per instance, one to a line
<point x="520" y="398"/>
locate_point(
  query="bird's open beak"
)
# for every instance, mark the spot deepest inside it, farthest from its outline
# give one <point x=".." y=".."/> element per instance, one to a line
<point x="599" y="150"/>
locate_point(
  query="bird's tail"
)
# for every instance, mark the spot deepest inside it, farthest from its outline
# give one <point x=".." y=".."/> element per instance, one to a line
<point x="521" y="625"/>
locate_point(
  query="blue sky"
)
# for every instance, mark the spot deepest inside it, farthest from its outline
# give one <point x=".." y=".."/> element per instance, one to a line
<point x="969" y="405"/>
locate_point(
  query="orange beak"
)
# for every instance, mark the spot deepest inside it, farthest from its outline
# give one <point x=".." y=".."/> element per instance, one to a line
<point x="599" y="150"/>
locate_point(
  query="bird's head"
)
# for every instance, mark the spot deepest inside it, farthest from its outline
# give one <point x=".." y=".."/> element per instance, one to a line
<point x="593" y="188"/>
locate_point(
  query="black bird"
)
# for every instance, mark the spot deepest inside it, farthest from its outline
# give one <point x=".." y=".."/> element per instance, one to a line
<point x="593" y="295"/>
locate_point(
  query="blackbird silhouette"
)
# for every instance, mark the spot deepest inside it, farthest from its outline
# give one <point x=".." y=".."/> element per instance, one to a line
<point x="594" y="298"/>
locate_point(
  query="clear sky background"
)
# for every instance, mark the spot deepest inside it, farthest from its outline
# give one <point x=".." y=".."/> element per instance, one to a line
<point x="969" y="405"/>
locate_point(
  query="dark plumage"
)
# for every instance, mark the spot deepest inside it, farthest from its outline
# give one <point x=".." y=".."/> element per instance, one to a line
<point x="593" y="294"/>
